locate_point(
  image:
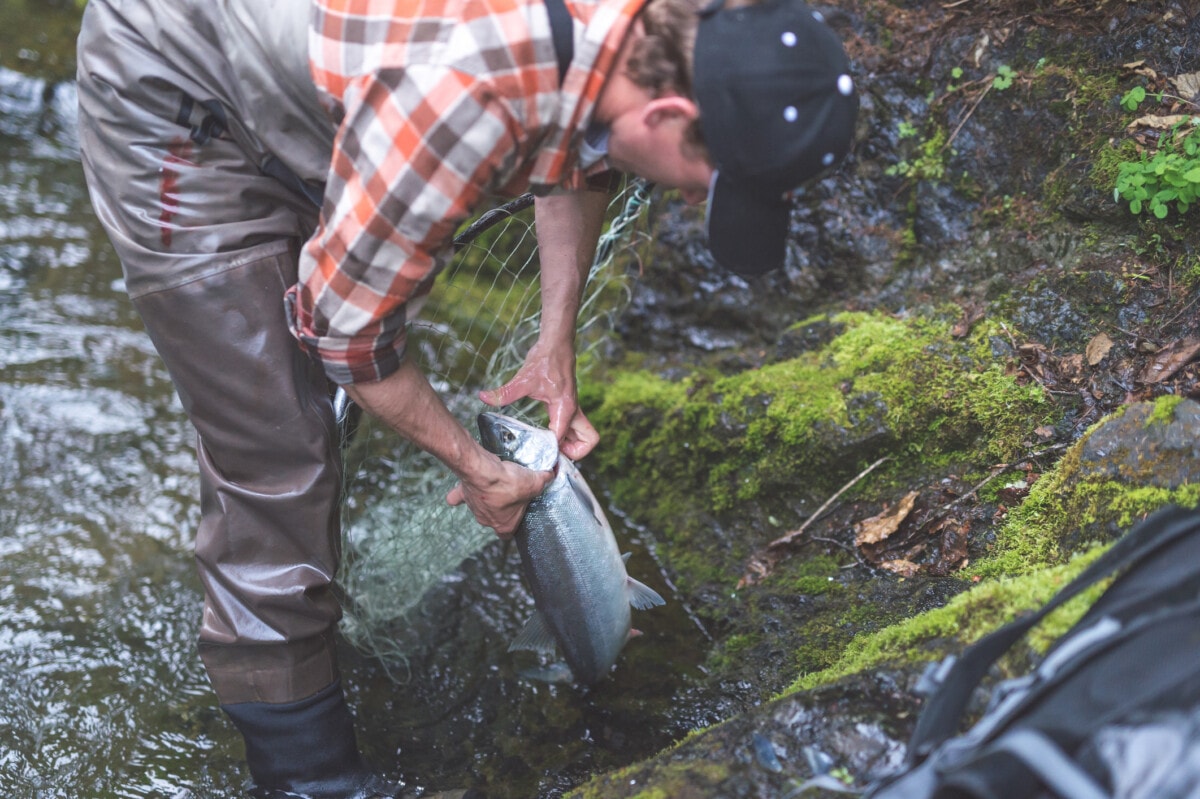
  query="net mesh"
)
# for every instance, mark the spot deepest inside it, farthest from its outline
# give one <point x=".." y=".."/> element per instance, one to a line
<point x="400" y="536"/>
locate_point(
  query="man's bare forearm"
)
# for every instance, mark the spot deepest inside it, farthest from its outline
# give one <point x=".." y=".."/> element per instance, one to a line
<point x="407" y="403"/>
<point x="568" y="227"/>
<point x="496" y="492"/>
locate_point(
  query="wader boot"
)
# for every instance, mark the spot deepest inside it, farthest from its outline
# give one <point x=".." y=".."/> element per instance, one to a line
<point x="306" y="750"/>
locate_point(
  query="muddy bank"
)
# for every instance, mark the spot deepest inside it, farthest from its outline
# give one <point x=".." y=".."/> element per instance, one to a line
<point x="964" y="299"/>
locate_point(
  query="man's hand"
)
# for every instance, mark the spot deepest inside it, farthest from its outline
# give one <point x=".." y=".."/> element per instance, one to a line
<point x="568" y="226"/>
<point x="496" y="491"/>
<point x="550" y="380"/>
<point x="498" y="498"/>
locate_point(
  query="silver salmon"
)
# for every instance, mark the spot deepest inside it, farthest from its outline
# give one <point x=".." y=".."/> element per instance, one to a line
<point x="569" y="557"/>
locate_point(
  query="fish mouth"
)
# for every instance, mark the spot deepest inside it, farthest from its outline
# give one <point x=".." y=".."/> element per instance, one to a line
<point x="489" y="432"/>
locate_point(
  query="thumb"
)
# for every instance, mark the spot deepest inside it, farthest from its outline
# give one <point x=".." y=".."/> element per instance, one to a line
<point x="560" y="414"/>
<point x="456" y="496"/>
<point x="496" y="397"/>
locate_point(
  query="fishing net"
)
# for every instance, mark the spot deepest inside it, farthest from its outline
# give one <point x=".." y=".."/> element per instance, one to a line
<point x="400" y="536"/>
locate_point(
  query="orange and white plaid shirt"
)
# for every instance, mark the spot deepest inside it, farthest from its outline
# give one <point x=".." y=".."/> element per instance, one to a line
<point x="440" y="103"/>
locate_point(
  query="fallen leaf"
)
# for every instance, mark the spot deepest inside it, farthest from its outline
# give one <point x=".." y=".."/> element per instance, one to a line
<point x="1170" y="359"/>
<point x="877" y="528"/>
<point x="981" y="49"/>
<point x="1013" y="493"/>
<point x="900" y="566"/>
<point x="1071" y="366"/>
<point x="954" y="546"/>
<point x="971" y="314"/>
<point x="1044" y="432"/>
<point x="1158" y="122"/>
<point x="1097" y="348"/>
<point x="1188" y="86"/>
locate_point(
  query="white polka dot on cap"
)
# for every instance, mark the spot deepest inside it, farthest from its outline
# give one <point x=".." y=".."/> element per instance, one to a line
<point x="818" y="16"/>
<point x="791" y="114"/>
<point x="845" y="85"/>
<point x="828" y="159"/>
<point x="788" y="38"/>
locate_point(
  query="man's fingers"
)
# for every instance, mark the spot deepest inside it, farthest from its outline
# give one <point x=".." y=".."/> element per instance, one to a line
<point x="504" y="395"/>
<point x="581" y="438"/>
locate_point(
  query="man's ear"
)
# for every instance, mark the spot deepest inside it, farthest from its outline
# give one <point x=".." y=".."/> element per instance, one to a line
<point x="671" y="108"/>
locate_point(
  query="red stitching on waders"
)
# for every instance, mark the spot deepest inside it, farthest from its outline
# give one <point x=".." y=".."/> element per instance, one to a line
<point x="179" y="151"/>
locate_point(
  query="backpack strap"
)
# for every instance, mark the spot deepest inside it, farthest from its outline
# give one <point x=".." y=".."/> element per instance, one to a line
<point x="943" y="712"/>
<point x="1040" y="755"/>
<point x="562" y="30"/>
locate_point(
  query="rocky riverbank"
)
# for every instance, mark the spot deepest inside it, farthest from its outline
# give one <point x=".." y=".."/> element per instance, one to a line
<point x="984" y="359"/>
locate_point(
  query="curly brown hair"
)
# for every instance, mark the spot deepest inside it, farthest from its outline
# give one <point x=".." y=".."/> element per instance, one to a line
<point x="661" y="60"/>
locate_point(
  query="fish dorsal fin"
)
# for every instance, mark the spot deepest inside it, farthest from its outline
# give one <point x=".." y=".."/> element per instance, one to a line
<point x="625" y="557"/>
<point x="642" y="597"/>
<point x="535" y="636"/>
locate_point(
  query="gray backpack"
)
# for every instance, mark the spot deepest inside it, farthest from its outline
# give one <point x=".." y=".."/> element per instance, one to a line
<point x="1111" y="712"/>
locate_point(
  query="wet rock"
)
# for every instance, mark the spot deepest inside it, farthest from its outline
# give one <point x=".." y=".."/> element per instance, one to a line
<point x="806" y="338"/>
<point x="1081" y="200"/>
<point x="858" y="726"/>
<point x="1145" y="445"/>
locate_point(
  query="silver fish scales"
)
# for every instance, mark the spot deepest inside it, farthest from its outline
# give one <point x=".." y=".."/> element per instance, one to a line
<point x="569" y="557"/>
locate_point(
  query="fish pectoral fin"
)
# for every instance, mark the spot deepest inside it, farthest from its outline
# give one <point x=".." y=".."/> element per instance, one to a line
<point x="642" y="597"/>
<point x="625" y="557"/>
<point x="535" y="636"/>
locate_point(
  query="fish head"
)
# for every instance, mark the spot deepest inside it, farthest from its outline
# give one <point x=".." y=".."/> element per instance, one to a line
<point x="513" y="440"/>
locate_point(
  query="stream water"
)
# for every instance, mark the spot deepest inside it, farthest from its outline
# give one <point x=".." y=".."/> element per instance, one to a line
<point x="101" y="692"/>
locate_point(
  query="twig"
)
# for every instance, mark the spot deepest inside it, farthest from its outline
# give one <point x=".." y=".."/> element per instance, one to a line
<point x="794" y="534"/>
<point x="978" y="100"/>
<point x="997" y="470"/>
<point x="1024" y="367"/>
<point x="1181" y="313"/>
<point x="763" y="562"/>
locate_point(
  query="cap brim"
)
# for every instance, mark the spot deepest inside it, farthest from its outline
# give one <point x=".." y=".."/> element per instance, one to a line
<point x="747" y="233"/>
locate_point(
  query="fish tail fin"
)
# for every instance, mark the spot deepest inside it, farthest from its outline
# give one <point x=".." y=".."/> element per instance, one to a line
<point x="535" y="636"/>
<point x="634" y="633"/>
<point x="554" y="673"/>
<point x="642" y="597"/>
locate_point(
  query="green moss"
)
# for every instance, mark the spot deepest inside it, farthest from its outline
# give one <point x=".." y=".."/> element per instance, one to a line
<point x="691" y="780"/>
<point x="811" y="586"/>
<point x="1064" y="502"/>
<point x="1107" y="160"/>
<point x="678" y="453"/>
<point x="732" y="648"/>
<point x="1164" y="409"/>
<point x="1187" y="267"/>
<point x="1027" y="564"/>
<point x="965" y="618"/>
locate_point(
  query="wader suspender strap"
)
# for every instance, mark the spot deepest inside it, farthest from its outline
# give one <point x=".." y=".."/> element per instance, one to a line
<point x="563" y="33"/>
<point x="942" y="713"/>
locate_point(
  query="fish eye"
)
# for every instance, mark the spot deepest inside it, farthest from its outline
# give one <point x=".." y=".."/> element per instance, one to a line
<point x="508" y="436"/>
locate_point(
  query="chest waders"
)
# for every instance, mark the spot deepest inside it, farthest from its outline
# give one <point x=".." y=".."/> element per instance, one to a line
<point x="208" y="222"/>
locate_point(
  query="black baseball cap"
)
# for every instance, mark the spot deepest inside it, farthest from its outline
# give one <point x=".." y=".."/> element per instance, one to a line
<point x="777" y="107"/>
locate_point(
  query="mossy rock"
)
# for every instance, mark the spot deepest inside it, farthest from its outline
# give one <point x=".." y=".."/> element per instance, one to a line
<point x="860" y="710"/>
<point x="689" y="458"/>
<point x="1126" y="465"/>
